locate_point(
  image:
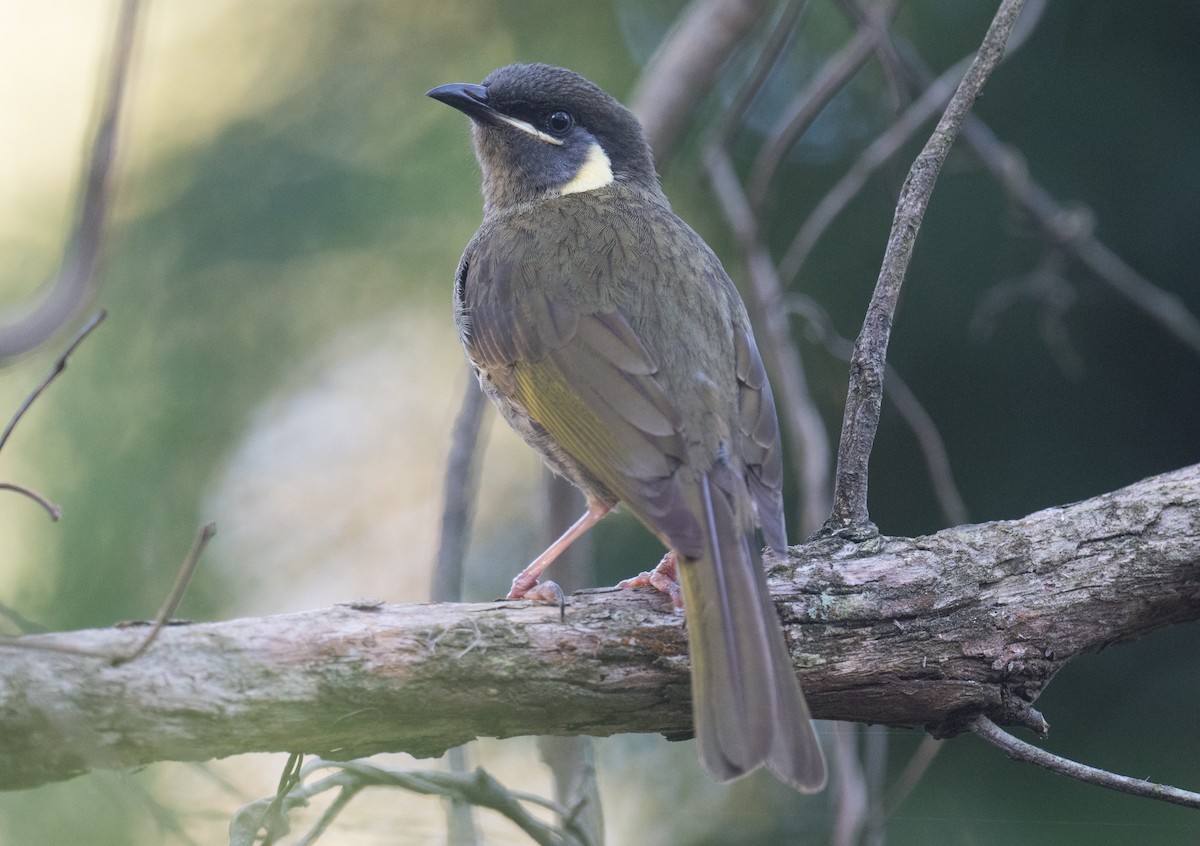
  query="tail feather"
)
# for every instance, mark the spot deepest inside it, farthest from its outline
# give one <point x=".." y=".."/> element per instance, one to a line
<point x="747" y="702"/>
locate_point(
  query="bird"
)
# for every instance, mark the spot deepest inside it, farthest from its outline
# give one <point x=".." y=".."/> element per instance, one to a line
<point x="612" y="340"/>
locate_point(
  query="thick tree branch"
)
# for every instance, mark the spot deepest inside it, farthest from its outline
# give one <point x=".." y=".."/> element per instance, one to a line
<point x="930" y="631"/>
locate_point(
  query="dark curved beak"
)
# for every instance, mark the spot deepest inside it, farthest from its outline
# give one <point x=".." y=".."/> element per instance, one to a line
<point x="471" y="100"/>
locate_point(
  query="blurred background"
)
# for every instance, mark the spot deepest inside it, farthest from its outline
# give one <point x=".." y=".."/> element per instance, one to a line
<point x="279" y="357"/>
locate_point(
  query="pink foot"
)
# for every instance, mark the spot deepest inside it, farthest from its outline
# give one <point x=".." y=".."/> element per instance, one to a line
<point x="538" y="591"/>
<point x="664" y="578"/>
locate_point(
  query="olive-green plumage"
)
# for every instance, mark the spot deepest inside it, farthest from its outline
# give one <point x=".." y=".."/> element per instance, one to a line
<point x="612" y="340"/>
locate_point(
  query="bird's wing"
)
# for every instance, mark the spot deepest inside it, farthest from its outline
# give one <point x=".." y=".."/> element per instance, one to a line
<point x="586" y="379"/>
<point x="758" y="443"/>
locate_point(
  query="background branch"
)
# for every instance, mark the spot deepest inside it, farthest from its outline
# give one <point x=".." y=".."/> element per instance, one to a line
<point x="1019" y="750"/>
<point x="81" y="256"/>
<point x="928" y="631"/>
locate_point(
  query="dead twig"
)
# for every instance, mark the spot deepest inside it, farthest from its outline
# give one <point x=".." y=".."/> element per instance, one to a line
<point x="1019" y="750"/>
<point x="173" y="598"/>
<point x="60" y="364"/>
<point x="833" y="76"/>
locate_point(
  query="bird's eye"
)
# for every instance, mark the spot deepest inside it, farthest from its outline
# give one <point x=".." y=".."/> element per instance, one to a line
<point x="559" y="122"/>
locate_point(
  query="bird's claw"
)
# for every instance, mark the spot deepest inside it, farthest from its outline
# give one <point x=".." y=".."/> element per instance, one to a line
<point x="540" y="592"/>
<point x="664" y="578"/>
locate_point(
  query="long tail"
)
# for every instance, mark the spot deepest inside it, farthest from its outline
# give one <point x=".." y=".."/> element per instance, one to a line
<point x="747" y="702"/>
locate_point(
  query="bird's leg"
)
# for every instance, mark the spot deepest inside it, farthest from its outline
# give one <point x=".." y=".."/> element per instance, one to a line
<point x="525" y="585"/>
<point x="664" y="578"/>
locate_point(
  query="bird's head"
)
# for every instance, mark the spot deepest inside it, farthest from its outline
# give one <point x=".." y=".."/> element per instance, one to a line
<point x="543" y="131"/>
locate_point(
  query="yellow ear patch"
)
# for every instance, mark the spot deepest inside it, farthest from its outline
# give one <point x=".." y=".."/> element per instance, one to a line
<point x="595" y="172"/>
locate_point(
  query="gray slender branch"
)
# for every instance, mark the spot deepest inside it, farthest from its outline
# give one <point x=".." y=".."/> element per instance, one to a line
<point x="877" y="153"/>
<point x="865" y="395"/>
<point x="683" y="70"/>
<point x="832" y="77"/>
<point x="928" y="632"/>
<point x="60" y="364"/>
<point x="1019" y="750"/>
<point x="778" y="39"/>
<point x="459" y="493"/>
<point x="22" y="330"/>
<point x="447" y="581"/>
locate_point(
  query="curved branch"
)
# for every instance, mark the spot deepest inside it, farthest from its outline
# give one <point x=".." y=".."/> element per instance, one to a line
<point x="1019" y="750"/>
<point x="22" y="330"/>
<point x="682" y="72"/>
<point x="930" y="631"/>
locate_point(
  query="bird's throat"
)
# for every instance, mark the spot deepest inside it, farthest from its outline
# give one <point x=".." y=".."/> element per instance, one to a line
<point x="595" y="172"/>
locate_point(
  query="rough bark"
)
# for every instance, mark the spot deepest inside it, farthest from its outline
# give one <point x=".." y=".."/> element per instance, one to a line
<point x="927" y="632"/>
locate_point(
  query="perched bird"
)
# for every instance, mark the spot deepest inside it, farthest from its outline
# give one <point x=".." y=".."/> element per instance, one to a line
<point x="612" y="340"/>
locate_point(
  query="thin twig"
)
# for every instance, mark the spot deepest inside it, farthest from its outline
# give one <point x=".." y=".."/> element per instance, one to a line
<point x="477" y="788"/>
<point x="53" y="509"/>
<point x="338" y="805"/>
<point x="875" y="757"/>
<point x="832" y="77"/>
<point x="164" y="615"/>
<point x="23" y="623"/>
<point x="203" y="536"/>
<point x="1019" y="750"/>
<point x="1065" y="229"/>
<point x="682" y="71"/>
<point x="865" y="395"/>
<point x="934" y="94"/>
<point x="781" y="34"/>
<point x="878" y="152"/>
<point x="60" y="364"/>
<point x="81" y="256"/>
<point x="459" y="487"/>
<point x="849" y="787"/>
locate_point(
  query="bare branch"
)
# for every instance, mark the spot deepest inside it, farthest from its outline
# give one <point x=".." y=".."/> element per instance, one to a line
<point x="203" y="536"/>
<point x="1019" y="750"/>
<point x="53" y="509"/>
<point x="683" y="70"/>
<point x="913" y="772"/>
<point x="777" y="41"/>
<point x="863" y="401"/>
<point x="1070" y="233"/>
<point x="81" y="256"/>
<point x="1008" y="603"/>
<point x="60" y="364"/>
<point x="799" y="116"/>
<point x="459" y="487"/>
<point x="1069" y="229"/>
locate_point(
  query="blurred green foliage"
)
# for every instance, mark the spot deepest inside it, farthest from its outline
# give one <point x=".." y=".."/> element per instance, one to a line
<point x="343" y="195"/>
